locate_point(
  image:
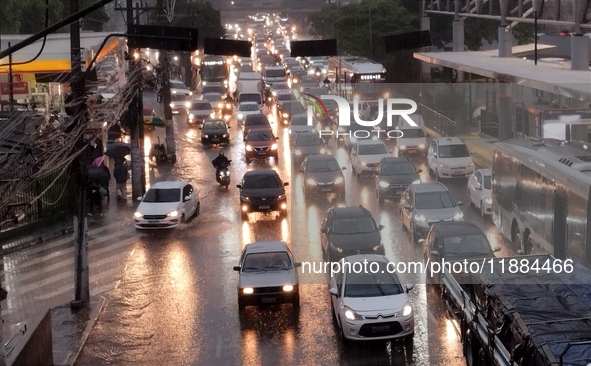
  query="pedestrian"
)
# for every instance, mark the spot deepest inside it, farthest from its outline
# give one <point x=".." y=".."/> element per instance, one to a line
<point x="96" y="198"/>
<point x="105" y="180"/>
<point x="121" y="175"/>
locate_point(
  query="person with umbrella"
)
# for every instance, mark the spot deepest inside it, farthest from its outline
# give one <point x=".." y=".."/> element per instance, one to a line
<point x="121" y="174"/>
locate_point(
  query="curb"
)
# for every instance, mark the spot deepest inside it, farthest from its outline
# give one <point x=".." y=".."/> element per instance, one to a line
<point x="27" y="241"/>
<point x="91" y="323"/>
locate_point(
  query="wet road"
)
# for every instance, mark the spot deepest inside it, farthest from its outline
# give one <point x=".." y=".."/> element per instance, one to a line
<point x="176" y="302"/>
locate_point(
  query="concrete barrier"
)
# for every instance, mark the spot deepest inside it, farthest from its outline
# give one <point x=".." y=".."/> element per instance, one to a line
<point x="36" y="345"/>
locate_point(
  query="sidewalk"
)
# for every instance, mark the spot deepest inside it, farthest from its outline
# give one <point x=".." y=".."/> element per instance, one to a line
<point x="481" y="146"/>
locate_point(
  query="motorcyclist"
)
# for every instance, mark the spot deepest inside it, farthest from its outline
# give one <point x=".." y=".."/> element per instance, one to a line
<point x="221" y="162"/>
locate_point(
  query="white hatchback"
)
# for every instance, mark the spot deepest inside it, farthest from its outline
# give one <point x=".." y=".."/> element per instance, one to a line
<point x="480" y="191"/>
<point x="449" y="157"/>
<point x="166" y="205"/>
<point x="246" y="109"/>
<point x="372" y="304"/>
<point x="366" y="156"/>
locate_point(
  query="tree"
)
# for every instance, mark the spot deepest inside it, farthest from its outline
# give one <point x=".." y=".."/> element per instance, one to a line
<point x="200" y="15"/>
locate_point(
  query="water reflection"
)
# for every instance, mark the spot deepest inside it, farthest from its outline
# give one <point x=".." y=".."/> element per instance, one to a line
<point x="250" y="355"/>
<point x="247" y="234"/>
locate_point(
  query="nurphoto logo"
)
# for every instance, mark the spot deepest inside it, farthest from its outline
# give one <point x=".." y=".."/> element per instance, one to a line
<point x="344" y="117"/>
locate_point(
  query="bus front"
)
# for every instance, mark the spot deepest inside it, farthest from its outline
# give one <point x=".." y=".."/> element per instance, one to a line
<point x="214" y="72"/>
<point x="369" y="86"/>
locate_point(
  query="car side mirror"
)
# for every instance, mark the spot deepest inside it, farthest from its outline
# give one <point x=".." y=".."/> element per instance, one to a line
<point x="334" y="292"/>
<point x="285" y="184"/>
<point x="409" y="287"/>
<point x="239" y="186"/>
<point x="460" y="203"/>
<point x="496" y="249"/>
<point x="237" y="268"/>
<point x="187" y="198"/>
<point x="421" y="241"/>
<point x="139" y="199"/>
<point x="435" y="253"/>
<point x="381" y="227"/>
<point x="420" y="171"/>
<point x="297" y="264"/>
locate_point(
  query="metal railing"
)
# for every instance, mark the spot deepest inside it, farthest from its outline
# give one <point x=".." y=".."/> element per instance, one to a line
<point x="438" y="121"/>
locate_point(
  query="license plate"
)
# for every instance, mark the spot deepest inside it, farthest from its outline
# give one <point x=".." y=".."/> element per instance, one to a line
<point x="380" y="329"/>
<point x="262" y="153"/>
<point x="325" y="190"/>
<point x="458" y="173"/>
<point x="270" y="300"/>
<point x="264" y="207"/>
<point x="153" y="221"/>
<point x="215" y="139"/>
<point x="412" y="151"/>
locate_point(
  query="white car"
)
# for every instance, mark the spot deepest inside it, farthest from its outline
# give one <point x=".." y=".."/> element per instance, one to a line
<point x="449" y="157"/>
<point x="366" y="156"/>
<point x="480" y="191"/>
<point x="166" y="205"/>
<point x="215" y="100"/>
<point x="199" y="111"/>
<point x="178" y="87"/>
<point x="298" y="123"/>
<point x="371" y="305"/>
<point x="246" y="109"/>
<point x="267" y="274"/>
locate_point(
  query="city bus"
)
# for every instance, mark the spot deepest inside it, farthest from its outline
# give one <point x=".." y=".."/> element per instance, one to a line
<point x="541" y="193"/>
<point x="214" y="70"/>
<point x="356" y="76"/>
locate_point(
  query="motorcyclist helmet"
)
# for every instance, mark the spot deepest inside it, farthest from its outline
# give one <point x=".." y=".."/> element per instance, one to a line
<point x="221" y="155"/>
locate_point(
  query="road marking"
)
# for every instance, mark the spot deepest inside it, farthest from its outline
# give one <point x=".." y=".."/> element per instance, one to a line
<point x="218" y="350"/>
<point x="70" y="286"/>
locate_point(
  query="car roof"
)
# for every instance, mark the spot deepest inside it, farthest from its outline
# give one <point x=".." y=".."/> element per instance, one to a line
<point x="429" y="187"/>
<point x="320" y="157"/>
<point x="167" y="184"/>
<point x="456" y="228"/>
<point x="255" y="117"/>
<point x="351" y="211"/>
<point x="370" y="142"/>
<point x="255" y="172"/>
<point x="396" y="160"/>
<point x="266" y="246"/>
<point x="255" y="103"/>
<point x="366" y="257"/>
<point x="444" y="141"/>
<point x="214" y="120"/>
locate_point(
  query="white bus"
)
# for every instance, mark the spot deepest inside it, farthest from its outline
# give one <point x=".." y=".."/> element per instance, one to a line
<point x="541" y="192"/>
<point x="350" y="76"/>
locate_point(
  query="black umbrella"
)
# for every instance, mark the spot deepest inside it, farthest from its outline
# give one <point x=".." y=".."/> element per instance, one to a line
<point x="118" y="150"/>
<point x="96" y="173"/>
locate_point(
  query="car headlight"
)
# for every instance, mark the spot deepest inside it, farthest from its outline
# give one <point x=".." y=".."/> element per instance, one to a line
<point x="488" y="200"/>
<point x="247" y="290"/>
<point x="363" y="163"/>
<point x="245" y="199"/>
<point x="470" y="165"/>
<point x="138" y="215"/>
<point x="240" y="116"/>
<point x="420" y="218"/>
<point x="274" y="94"/>
<point x="220" y="105"/>
<point x="171" y="105"/>
<point x="172" y="214"/>
<point x="190" y="93"/>
<point x="459" y="216"/>
<point x="351" y="314"/>
<point x="406" y="310"/>
<point x="335" y="248"/>
<point x="206" y="136"/>
<point x="302" y="89"/>
<point x="188" y="105"/>
<point x="285" y="115"/>
<point x="174" y="92"/>
<point x="205" y="83"/>
<point x="248" y="148"/>
<point x="287" y="288"/>
<point x="274" y="147"/>
<point x="298" y="152"/>
<point x="421" y="146"/>
<point x="225" y="82"/>
<point x="378" y="247"/>
<point x="281" y="197"/>
<point x="311" y="181"/>
<point x="289" y="131"/>
<point x="228" y="105"/>
<point x="384" y="184"/>
<point x="418" y="181"/>
<point x="323" y="151"/>
<point x="191" y="116"/>
<point x="339" y="180"/>
<point x="225" y="135"/>
<point x="402" y="147"/>
<point x="212" y="115"/>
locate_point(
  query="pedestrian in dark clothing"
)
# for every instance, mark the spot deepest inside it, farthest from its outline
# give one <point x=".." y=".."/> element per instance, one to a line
<point x="105" y="179"/>
<point x="121" y="175"/>
<point x="96" y="199"/>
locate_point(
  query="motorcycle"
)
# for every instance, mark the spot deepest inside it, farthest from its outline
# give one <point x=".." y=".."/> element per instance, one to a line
<point x="227" y="111"/>
<point x="223" y="175"/>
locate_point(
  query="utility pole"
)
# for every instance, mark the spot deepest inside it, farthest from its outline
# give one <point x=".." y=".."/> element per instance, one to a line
<point x="140" y="117"/>
<point x="82" y="284"/>
<point x="164" y="63"/>
<point x="10" y="85"/>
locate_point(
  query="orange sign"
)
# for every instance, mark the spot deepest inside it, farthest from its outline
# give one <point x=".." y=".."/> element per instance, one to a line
<point x="20" y="90"/>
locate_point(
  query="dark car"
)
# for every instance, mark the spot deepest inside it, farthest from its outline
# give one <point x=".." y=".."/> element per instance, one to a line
<point x="262" y="190"/>
<point x="322" y="174"/>
<point x="215" y="131"/>
<point x="307" y="82"/>
<point x="349" y="231"/>
<point x="287" y="109"/>
<point x="394" y="176"/>
<point x="260" y="143"/>
<point x="455" y="241"/>
<point x="256" y="121"/>
<point x="307" y="143"/>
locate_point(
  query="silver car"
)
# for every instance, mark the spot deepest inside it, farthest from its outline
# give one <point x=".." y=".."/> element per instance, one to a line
<point x="199" y="111"/>
<point x="308" y="143"/>
<point x="422" y="205"/>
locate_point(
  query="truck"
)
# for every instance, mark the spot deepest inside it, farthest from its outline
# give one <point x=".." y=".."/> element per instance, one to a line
<point x="510" y="315"/>
<point x="250" y="90"/>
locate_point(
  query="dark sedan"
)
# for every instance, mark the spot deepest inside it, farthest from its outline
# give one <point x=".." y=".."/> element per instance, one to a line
<point x="287" y="109"/>
<point x="262" y="190"/>
<point x="307" y="143"/>
<point x="394" y="176"/>
<point x="215" y="131"/>
<point x="260" y="143"/>
<point x="322" y="174"/>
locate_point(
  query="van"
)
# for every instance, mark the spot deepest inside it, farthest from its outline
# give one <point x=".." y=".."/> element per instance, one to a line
<point x="414" y="139"/>
<point x="251" y="97"/>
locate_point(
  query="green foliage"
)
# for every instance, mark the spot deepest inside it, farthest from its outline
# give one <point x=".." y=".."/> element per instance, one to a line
<point x="202" y="16"/>
<point x="28" y="16"/>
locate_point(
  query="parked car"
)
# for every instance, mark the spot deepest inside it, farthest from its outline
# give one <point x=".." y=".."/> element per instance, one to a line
<point x="166" y="205"/>
<point x="480" y="191"/>
<point x="215" y="131"/>
<point x="349" y="231"/>
<point x="427" y="203"/>
<point x="260" y="143"/>
<point x="395" y="174"/>
<point x="267" y="274"/>
<point x="321" y="174"/>
<point x="262" y="190"/>
<point x="449" y="157"/>
<point x="371" y="305"/>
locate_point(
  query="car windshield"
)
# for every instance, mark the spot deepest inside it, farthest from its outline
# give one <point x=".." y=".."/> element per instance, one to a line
<point x="398" y="169"/>
<point x="299" y="72"/>
<point x="466" y="244"/>
<point x="280" y="86"/>
<point x="258" y="135"/>
<point x="178" y="97"/>
<point x="308" y="140"/>
<point x="250" y="98"/>
<point x="177" y="85"/>
<point x="257" y="119"/>
<point x="261" y="182"/>
<point x="453" y="151"/>
<point x="245" y="68"/>
<point x="413" y="133"/>
<point x="487" y="181"/>
<point x="284" y="97"/>
<point x="322" y="166"/>
<point x="248" y="107"/>
<point x="217" y="125"/>
<point x="354" y="225"/>
<point x="213" y="97"/>
<point x="373" y="149"/>
<point x="162" y="195"/>
<point x="294" y="108"/>
<point x="201" y="106"/>
<point x="275" y="73"/>
<point x="212" y="89"/>
<point x="270" y="261"/>
<point x="310" y="79"/>
<point x="298" y="121"/>
<point x="372" y="283"/>
<point x="434" y="200"/>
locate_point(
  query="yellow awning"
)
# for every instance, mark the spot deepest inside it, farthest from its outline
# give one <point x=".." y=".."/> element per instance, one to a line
<point x="105" y="51"/>
<point x="40" y="66"/>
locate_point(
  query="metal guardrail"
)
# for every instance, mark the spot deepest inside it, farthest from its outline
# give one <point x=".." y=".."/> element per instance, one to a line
<point x="438" y="121"/>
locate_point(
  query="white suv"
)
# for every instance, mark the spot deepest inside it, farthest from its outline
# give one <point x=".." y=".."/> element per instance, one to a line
<point x="366" y="156"/>
<point x="449" y="157"/>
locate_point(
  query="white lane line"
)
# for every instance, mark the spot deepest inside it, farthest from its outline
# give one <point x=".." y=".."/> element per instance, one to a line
<point x="66" y="288"/>
<point x="218" y="351"/>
